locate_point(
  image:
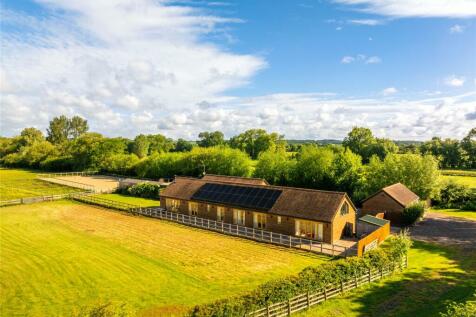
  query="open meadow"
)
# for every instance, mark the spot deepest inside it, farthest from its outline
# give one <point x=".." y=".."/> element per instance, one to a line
<point x="143" y="202"/>
<point x="60" y="255"/>
<point x="16" y="184"/>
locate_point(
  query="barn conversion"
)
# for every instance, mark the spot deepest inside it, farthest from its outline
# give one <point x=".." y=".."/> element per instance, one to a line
<point x="391" y="201"/>
<point x="314" y="214"/>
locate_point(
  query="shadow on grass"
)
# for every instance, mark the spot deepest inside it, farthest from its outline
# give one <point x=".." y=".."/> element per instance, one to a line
<point x="426" y="287"/>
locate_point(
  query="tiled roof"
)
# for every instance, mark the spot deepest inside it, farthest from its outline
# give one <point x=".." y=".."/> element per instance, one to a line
<point x="302" y="203"/>
<point x="234" y="179"/>
<point x="400" y="193"/>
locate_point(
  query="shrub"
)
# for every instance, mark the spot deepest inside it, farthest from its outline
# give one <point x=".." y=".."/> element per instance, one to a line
<point x="144" y="190"/>
<point x="413" y="212"/>
<point x="62" y="163"/>
<point x="309" y="279"/>
<point x="453" y="195"/>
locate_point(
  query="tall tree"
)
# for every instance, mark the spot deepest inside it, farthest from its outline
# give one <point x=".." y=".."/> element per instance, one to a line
<point x="58" y="130"/>
<point x="159" y="143"/>
<point x="208" y="139"/>
<point x="469" y="145"/>
<point x="140" y="146"/>
<point x="30" y="136"/>
<point x="77" y="127"/>
<point x="183" y="146"/>
<point x="362" y="142"/>
<point x="255" y="141"/>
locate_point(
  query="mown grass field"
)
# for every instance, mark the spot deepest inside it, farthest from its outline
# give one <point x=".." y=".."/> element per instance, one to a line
<point x="60" y="255"/>
<point x="436" y="275"/>
<point x="16" y="184"/>
<point x="464" y="180"/>
<point x="143" y="202"/>
<point x="456" y="213"/>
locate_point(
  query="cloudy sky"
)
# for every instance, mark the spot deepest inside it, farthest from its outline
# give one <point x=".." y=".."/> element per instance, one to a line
<point x="310" y="69"/>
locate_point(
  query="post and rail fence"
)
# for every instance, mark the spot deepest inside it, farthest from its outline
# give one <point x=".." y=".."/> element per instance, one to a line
<point x="306" y="300"/>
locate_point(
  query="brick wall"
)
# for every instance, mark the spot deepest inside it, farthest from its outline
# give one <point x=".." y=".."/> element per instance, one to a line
<point x="381" y="202"/>
<point x="340" y="222"/>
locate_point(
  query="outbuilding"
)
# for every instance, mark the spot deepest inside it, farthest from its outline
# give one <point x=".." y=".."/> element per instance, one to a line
<point x="391" y="201"/>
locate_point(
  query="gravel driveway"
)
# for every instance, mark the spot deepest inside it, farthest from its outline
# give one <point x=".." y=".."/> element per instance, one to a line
<point x="446" y="230"/>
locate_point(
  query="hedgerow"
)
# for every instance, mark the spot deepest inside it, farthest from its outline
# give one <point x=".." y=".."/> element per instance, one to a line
<point x="308" y="280"/>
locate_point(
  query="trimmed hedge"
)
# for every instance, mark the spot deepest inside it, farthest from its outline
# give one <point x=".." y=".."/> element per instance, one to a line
<point x="144" y="190"/>
<point x="310" y="279"/>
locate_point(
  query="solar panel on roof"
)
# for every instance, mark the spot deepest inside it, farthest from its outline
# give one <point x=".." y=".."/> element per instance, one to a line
<point x="247" y="197"/>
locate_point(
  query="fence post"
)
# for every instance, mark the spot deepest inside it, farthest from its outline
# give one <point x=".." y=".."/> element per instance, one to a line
<point x="267" y="310"/>
<point x="325" y="292"/>
<point x="381" y="273"/>
<point x="370" y="275"/>
<point x="289" y="307"/>
<point x="308" y="298"/>
<point x="406" y="260"/>
<point x="355" y="280"/>
<point x="290" y="241"/>
<point x="341" y="287"/>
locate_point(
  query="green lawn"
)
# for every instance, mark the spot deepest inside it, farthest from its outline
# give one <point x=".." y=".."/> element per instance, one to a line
<point x="59" y="255"/>
<point x="143" y="202"/>
<point x="464" y="180"/>
<point x="456" y="213"/>
<point x="16" y="184"/>
<point x="436" y="275"/>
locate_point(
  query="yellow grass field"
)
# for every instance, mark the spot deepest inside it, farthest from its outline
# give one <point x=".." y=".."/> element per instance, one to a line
<point x="59" y="255"/>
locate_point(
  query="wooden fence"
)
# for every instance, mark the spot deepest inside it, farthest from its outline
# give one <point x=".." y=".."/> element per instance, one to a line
<point x="306" y="300"/>
<point x="31" y="200"/>
<point x="53" y="175"/>
<point x="248" y="233"/>
<point x="98" y="201"/>
<point x="70" y="183"/>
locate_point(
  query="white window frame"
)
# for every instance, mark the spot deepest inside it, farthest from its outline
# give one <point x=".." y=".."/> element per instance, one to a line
<point x="259" y="220"/>
<point x="193" y="208"/>
<point x="172" y="204"/>
<point x="239" y="217"/>
<point x="278" y="220"/>
<point x="220" y="213"/>
<point x="344" y="209"/>
<point x="309" y="229"/>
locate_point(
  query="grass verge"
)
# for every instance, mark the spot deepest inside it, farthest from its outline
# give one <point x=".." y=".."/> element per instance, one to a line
<point x="143" y="202"/>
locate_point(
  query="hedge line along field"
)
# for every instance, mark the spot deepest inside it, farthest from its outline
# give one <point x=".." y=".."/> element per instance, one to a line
<point x="16" y="184"/>
<point x="435" y="275"/>
<point x="60" y="255"/>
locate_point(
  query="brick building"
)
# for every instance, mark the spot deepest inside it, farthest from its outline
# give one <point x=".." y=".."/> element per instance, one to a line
<point x="320" y="215"/>
<point x="391" y="201"/>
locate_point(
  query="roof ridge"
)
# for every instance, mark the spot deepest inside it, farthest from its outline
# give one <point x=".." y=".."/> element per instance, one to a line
<point x="232" y="176"/>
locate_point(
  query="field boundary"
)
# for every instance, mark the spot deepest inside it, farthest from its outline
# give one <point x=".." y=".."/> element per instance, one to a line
<point x="32" y="200"/>
<point x="89" y="198"/>
<point x="306" y="300"/>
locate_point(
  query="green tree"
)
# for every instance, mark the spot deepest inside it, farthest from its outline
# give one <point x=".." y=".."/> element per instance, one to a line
<point x="77" y="127"/>
<point x="275" y="166"/>
<point x="362" y="142"/>
<point x="140" y="146"/>
<point x="183" y="146"/>
<point x="58" y="130"/>
<point x="160" y="144"/>
<point x="419" y="173"/>
<point x="122" y="164"/>
<point x="469" y="146"/>
<point x="255" y="141"/>
<point x="30" y="136"/>
<point x="209" y="139"/>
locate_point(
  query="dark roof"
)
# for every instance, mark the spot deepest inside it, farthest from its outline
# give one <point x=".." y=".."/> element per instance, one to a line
<point x="292" y="202"/>
<point x="400" y="193"/>
<point x="234" y="179"/>
<point x="374" y="220"/>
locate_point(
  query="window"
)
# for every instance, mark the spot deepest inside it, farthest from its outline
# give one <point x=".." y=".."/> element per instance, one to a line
<point x="238" y="217"/>
<point x="209" y="207"/>
<point x="172" y="204"/>
<point x="259" y="220"/>
<point x="309" y="229"/>
<point x="344" y="210"/>
<point x="279" y="220"/>
<point x="193" y="208"/>
<point x="220" y="213"/>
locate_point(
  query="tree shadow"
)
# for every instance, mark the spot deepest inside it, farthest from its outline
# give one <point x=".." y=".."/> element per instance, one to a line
<point x="422" y="291"/>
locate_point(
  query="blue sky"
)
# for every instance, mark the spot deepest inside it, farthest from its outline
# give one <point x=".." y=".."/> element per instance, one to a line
<point x="305" y="68"/>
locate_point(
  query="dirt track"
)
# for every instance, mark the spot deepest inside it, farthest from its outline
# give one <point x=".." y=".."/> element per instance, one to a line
<point x="446" y="230"/>
<point x="100" y="183"/>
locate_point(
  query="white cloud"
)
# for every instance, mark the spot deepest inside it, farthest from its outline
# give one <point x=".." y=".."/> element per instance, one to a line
<point x="347" y="59"/>
<point x="455" y="81"/>
<point x="369" y="22"/>
<point x="373" y="60"/>
<point x="415" y="8"/>
<point x="457" y="29"/>
<point x="389" y="91"/>
<point x="361" y="58"/>
<point x="104" y="59"/>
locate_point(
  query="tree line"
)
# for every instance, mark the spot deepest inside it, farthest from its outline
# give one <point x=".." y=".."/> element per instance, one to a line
<point x="359" y="166"/>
